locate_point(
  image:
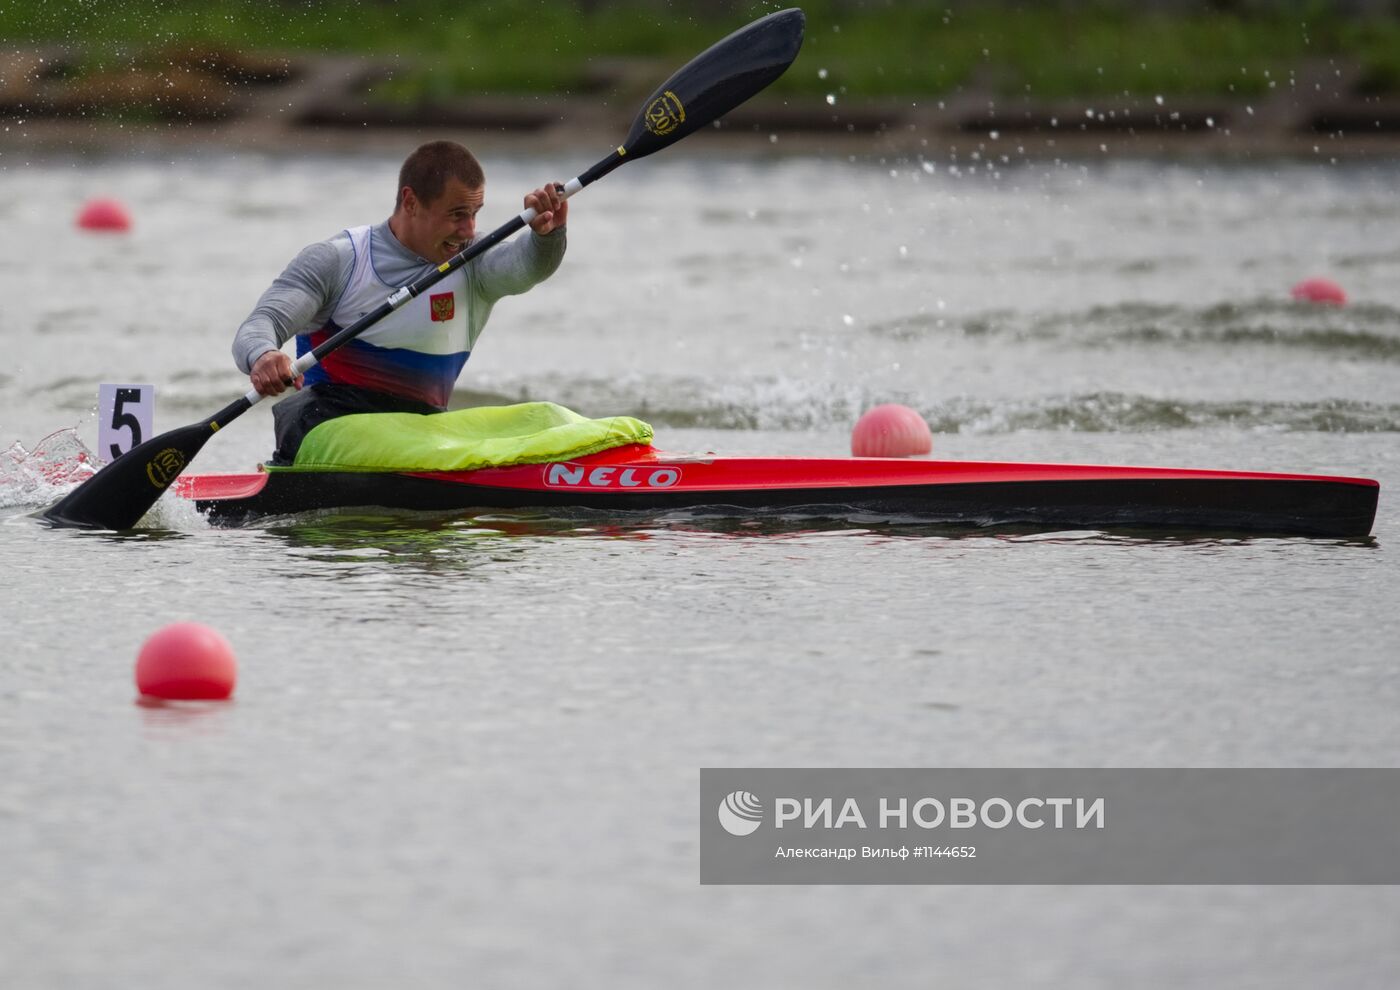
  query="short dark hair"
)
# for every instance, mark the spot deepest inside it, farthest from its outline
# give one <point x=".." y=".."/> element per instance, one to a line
<point x="427" y="170"/>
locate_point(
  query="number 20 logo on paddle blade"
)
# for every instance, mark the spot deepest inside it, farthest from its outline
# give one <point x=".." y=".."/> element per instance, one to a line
<point x="665" y="114"/>
<point x="165" y="467"/>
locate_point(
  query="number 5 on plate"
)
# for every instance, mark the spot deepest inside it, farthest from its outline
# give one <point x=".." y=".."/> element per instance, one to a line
<point x="124" y="417"/>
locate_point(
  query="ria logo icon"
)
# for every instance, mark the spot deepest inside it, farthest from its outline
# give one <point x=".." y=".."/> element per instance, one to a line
<point x="740" y="813"/>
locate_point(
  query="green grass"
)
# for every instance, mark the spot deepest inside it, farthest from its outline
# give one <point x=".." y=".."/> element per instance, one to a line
<point x="855" y="49"/>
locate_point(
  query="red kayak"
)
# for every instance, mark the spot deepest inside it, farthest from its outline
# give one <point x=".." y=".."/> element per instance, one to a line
<point x="966" y="493"/>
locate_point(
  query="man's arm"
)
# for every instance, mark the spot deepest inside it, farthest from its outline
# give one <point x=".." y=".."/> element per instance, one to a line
<point x="519" y="264"/>
<point x="525" y="261"/>
<point x="303" y="295"/>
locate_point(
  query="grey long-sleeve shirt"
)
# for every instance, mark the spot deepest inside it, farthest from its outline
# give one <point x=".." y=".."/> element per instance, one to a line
<point x="302" y="298"/>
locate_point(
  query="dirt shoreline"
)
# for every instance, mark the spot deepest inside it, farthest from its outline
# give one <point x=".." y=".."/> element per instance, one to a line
<point x="323" y="108"/>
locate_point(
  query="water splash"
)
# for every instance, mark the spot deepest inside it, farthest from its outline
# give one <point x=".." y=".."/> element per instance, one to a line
<point x="174" y="514"/>
<point x="57" y="464"/>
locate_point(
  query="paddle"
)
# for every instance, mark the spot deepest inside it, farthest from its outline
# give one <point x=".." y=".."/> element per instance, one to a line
<point x="706" y="88"/>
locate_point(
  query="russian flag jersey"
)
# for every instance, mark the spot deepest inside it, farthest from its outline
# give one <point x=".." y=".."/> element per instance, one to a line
<point x="416" y="351"/>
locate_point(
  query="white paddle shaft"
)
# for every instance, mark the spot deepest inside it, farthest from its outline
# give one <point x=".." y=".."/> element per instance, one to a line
<point x="568" y="189"/>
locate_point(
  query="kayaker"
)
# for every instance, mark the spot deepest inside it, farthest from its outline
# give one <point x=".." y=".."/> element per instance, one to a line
<point x="409" y="361"/>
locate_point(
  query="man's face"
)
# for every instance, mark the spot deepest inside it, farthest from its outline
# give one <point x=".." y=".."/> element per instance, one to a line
<point x="440" y="229"/>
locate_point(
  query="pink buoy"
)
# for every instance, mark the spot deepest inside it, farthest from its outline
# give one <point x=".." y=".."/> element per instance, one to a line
<point x="104" y="215"/>
<point x="891" y="430"/>
<point x="186" y="661"/>
<point x="1320" y="290"/>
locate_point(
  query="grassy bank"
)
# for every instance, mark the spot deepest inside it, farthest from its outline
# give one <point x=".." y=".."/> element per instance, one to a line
<point x="854" y="50"/>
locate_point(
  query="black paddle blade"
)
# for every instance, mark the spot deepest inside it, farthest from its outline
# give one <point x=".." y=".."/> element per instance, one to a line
<point x="716" y="81"/>
<point x="122" y="492"/>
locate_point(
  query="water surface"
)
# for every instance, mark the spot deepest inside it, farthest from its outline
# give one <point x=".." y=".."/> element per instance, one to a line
<point x="467" y="748"/>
